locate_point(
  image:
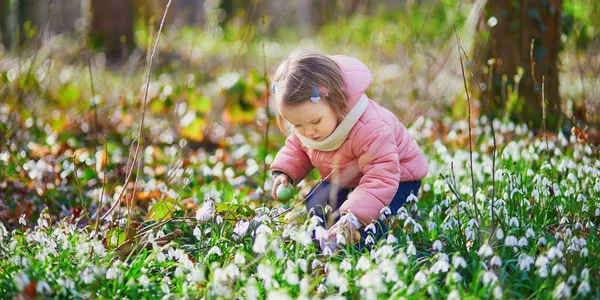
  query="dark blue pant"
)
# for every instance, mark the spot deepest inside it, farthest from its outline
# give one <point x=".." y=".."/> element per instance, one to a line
<point x="332" y="194"/>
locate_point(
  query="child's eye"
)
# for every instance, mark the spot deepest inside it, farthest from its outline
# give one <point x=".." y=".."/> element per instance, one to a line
<point x="316" y="122"/>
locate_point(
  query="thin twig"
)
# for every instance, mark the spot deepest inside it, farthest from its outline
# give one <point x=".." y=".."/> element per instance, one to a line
<point x="470" y="138"/>
<point x="139" y="137"/>
<point x="267" y="94"/>
<point x="489" y="112"/>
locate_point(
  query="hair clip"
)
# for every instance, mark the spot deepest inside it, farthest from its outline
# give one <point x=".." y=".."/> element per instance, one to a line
<point x="315" y="98"/>
<point x="324" y="91"/>
<point x="273" y="88"/>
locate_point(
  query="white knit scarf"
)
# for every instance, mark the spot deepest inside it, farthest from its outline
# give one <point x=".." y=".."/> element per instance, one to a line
<point x="341" y="132"/>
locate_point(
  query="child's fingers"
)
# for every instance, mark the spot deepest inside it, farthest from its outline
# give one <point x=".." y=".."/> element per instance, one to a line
<point x="276" y="184"/>
<point x="284" y="180"/>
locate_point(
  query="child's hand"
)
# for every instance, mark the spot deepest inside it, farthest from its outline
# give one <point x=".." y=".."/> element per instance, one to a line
<point x="279" y="179"/>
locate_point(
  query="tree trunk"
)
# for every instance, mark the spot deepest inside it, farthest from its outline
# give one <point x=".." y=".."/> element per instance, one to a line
<point x="112" y="27"/>
<point x="506" y="32"/>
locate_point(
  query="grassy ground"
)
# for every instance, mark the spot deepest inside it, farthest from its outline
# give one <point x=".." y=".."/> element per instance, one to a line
<point x="197" y="222"/>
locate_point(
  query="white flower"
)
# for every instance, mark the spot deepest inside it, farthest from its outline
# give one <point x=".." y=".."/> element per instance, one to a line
<point x="111" y="273"/>
<point x="241" y="227"/>
<point x="411" y="250"/>
<point x="363" y="264"/>
<point x="514" y="222"/>
<point x="260" y="244"/>
<point x="485" y="251"/>
<point x="412" y="198"/>
<point x="144" y="280"/>
<point x="391" y="239"/>
<point x="440" y="266"/>
<point x="458" y="261"/>
<point x="525" y="262"/>
<point x="214" y="250"/>
<point x="497" y="292"/>
<point x="264" y="229"/>
<point x="559" y="268"/>
<point x="420" y="278"/>
<point x="196" y="275"/>
<point x="489" y="277"/>
<point x="496" y="261"/>
<point x="584" y="288"/>
<point x="239" y="258"/>
<point x="437" y="245"/>
<point x="523" y="242"/>
<point x="383" y="212"/>
<point x="530" y="233"/>
<point x="369" y="240"/>
<point x="198" y="233"/>
<point x="499" y="233"/>
<point x="454" y="295"/>
<point x="23" y="222"/>
<point x="510" y="241"/>
<point x="43" y="287"/>
<point x="345" y="265"/>
<point x="206" y="212"/>
<point x="562" y="291"/>
<point x="371" y="227"/>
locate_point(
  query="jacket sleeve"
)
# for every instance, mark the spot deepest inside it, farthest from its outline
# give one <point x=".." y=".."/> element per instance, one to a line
<point x="292" y="160"/>
<point x="375" y="145"/>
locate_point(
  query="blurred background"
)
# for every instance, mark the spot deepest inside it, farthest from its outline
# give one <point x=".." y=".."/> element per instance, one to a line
<point x="73" y="74"/>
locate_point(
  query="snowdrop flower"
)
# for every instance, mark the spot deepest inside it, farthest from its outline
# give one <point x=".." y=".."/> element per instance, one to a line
<point x="363" y="264"/>
<point x="417" y="228"/>
<point x="559" y="268"/>
<point x="458" y="261"/>
<point x="510" y="241"/>
<point x="454" y="295"/>
<point x="541" y="241"/>
<point x="411" y="250"/>
<point x="584" y="252"/>
<point x="499" y="233"/>
<point x="523" y="242"/>
<point x="489" y="277"/>
<point x="260" y="244"/>
<point x="421" y="278"/>
<point x="412" y="198"/>
<point x="497" y="292"/>
<point x="264" y="229"/>
<point x="144" y="280"/>
<point x="206" y="212"/>
<point x="485" y="251"/>
<point x="554" y="252"/>
<point x="198" y="233"/>
<point x="239" y="258"/>
<point x="431" y="226"/>
<point x="584" y="288"/>
<point x="391" y="239"/>
<point x="437" y="246"/>
<point x="316" y="263"/>
<point x="513" y="222"/>
<point x="383" y="212"/>
<point x="525" y="262"/>
<point x="563" y="290"/>
<point x="369" y="240"/>
<point x="440" y="266"/>
<point x="496" y="261"/>
<point x="214" y="250"/>
<point x="530" y="233"/>
<point x="371" y="227"/>
<point x="23" y="222"/>
<point x="42" y="287"/>
<point x="345" y="265"/>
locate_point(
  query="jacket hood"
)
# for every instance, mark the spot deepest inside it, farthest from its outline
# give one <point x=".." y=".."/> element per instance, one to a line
<point x="357" y="77"/>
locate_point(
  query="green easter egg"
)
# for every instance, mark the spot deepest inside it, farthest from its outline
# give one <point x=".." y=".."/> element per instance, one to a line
<point x="285" y="192"/>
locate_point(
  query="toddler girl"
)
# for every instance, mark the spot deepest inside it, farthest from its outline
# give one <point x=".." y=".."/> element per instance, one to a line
<point x="366" y="155"/>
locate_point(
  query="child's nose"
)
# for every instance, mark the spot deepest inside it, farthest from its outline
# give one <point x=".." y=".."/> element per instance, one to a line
<point x="310" y="131"/>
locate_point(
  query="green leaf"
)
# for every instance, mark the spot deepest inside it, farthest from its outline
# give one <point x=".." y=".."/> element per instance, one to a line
<point x="115" y="237"/>
<point x="163" y="210"/>
<point x="236" y="211"/>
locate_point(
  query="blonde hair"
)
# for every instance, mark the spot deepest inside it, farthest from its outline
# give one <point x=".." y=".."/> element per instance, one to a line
<point x="301" y="72"/>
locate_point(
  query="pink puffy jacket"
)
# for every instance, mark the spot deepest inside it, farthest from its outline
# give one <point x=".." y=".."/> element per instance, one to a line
<point x="377" y="155"/>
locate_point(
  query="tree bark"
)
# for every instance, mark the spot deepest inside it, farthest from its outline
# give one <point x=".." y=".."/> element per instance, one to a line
<point x="504" y="64"/>
<point x="112" y="27"/>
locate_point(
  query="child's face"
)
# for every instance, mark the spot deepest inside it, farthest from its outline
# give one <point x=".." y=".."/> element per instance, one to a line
<point x="315" y="121"/>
